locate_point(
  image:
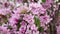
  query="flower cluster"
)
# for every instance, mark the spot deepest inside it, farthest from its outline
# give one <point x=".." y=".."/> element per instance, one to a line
<point x="25" y="16"/>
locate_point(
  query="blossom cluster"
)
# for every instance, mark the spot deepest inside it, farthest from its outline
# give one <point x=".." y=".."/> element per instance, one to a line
<point x="26" y="16"/>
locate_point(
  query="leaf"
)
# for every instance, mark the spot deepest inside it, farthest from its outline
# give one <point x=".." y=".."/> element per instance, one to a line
<point x="41" y="29"/>
<point x="37" y="21"/>
<point x="43" y="0"/>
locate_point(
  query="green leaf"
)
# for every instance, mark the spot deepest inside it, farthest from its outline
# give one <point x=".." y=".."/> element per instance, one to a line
<point x="41" y="29"/>
<point x="43" y="0"/>
<point x="37" y="21"/>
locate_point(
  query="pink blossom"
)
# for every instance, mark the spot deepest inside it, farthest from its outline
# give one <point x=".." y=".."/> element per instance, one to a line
<point x="45" y="19"/>
<point x="29" y="18"/>
<point x="37" y="8"/>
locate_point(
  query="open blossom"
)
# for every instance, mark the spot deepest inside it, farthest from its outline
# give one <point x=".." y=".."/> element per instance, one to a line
<point x="5" y="11"/>
<point x="32" y="29"/>
<point x="47" y="4"/>
<point x="45" y="19"/>
<point x="22" y="29"/>
<point x="4" y="30"/>
<point x="23" y="23"/>
<point x="58" y="29"/>
<point x="29" y="18"/>
<point x="37" y="8"/>
<point x="21" y="9"/>
<point x="14" y="19"/>
<point x="49" y="1"/>
<point x="28" y="29"/>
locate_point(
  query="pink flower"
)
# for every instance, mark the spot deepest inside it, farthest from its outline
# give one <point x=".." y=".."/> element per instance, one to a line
<point x="45" y="19"/>
<point x="47" y="4"/>
<point x="23" y="23"/>
<point x="5" y="11"/>
<point x="18" y="10"/>
<point x="4" y="30"/>
<point x="29" y="18"/>
<point x="14" y="19"/>
<point x="58" y="29"/>
<point x="36" y="8"/>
